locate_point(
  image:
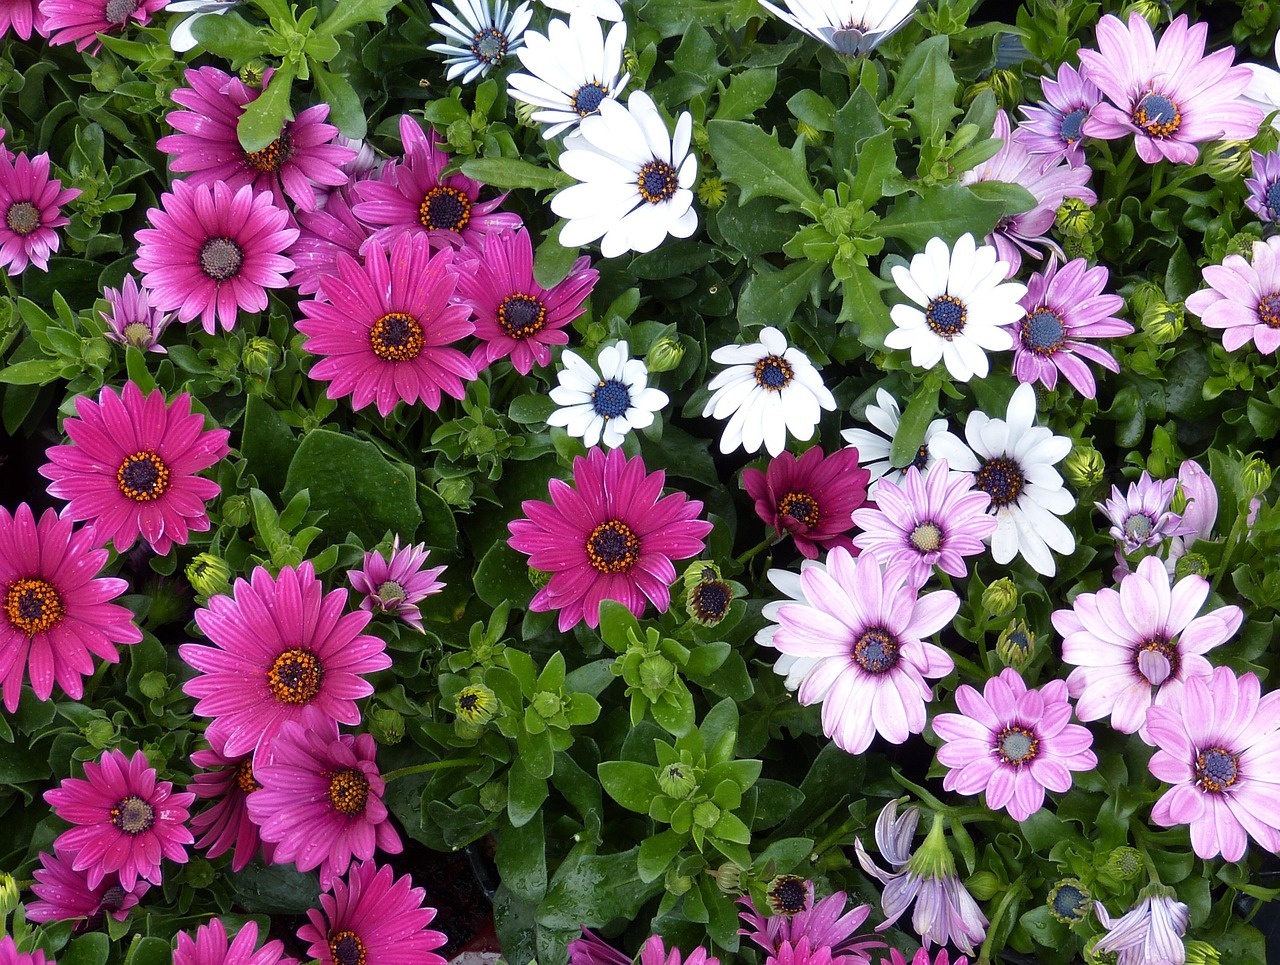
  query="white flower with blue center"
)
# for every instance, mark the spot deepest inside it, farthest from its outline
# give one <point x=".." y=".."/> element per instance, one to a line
<point x="849" y="27"/>
<point x="604" y="406"/>
<point x="480" y="33"/>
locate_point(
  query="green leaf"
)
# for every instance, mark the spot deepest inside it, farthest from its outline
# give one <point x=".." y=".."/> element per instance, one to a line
<point x="351" y="12"/>
<point x="513" y="172"/>
<point x="856" y="121"/>
<point x="631" y="784"/>
<point x="657" y="852"/>
<point x="345" y="108"/>
<point x="617" y="623"/>
<point x="503" y="575"/>
<point x="877" y="163"/>
<point x="31" y="372"/>
<point x="267" y="443"/>
<point x="228" y="36"/>
<point x="926" y="79"/>
<point x="758" y="164"/>
<point x="593" y="890"/>
<point x="91" y="949"/>
<point x="747" y="93"/>
<point x="149" y="951"/>
<point x="813" y="109"/>
<point x="522" y="859"/>
<point x="263" y="119"/>
<point x="770" y="296"/>
<point x="865" y="307"/>
<point x="531" y="410"/>
<point x="949" y="210"/>
<point x="915" y="420"/>
<point x="277" y="890"/>
<point x="525" y="794"/>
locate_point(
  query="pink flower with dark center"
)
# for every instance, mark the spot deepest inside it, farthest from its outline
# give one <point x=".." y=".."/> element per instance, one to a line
<point x="323" y="235"/>
<point x="1243" y="298"/>
<point x="22" y="17"/>
<point x="32" y="205"/>
<point x="9" y="954"/>
<point x="1264" y="186"/>
<point x="80" y="21"/>
<point x="1054" y="127"/>
<point x="210" y="947"/>
<point x="824" y="925"/>
<point x="812" y="497"/>
<point x="397" y="585"/>
<point x="613" y="537"/>
<point x="133" y="320"/>
<point x="228" y="782"/>
<point x="65" y="894"/>
<point x="124" y="820"/>
<point x="1141" y="517"/>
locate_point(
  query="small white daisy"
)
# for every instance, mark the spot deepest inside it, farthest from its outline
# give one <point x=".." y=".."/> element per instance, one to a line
<point x="571" y="71"/>
<point x="874" y="448"/>
<point x="768" y="390"/>
<point x="636" y="179"/>
<point x="183" y="39"/>
<point x="604" y="9"/>
<point x="480" y="34"/>
<point x="604" y="406"/>
<point x="849" y="27"/>
<point x="966" y="301"/>
<point x="1013" y="460"/>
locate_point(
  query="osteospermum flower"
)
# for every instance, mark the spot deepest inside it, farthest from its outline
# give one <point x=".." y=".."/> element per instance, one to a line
<point x="212" y="253"/>
<point x="80" y="21"/>
<point x="133" y="320"/>
<point x="32" y="205"/>
<point x="824" y="925"/>
<point x="183" y="38"/>
<point x="1142" y="516"/>
<point x="1149" y="933"/>
<point x="591" y="949"/>
<point x="384" y="329"/>
<point x="849" y="27"/>
<point x="131" y="467"/>
<point x="479" y="35"/>
<point x="604" y="406"/>
<point x="1054" y="128"/>
<point x="923" y="957"/>
<point x="124" y="820"/>
<point x="228" y="782"/>
<point x="210" y="947"/>
<point x="1243" y="298"/>
<point x="57" y="615"/>
<point x="22" y="17"/>
<point x="1170" y="96"/>
<point x="1264" y="187"/>
<point x="323" y="235"/>
<point x="9" y="954"/>
<point x="612" y="536"/>
<point x="604" y="9"/>
<point x="768" y="390"/>
<point x="397" y="584"/>
<point x="655" y="952"/>
<point x="874" y="447"/>
<point x="282" y="650"/>
<point x="811" y="497"/>
<point x="64" y="894"/>
<point x="964" y="303"/>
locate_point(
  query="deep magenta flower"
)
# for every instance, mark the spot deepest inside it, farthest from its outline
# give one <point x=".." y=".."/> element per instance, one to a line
<point x="228" y="782"/>
<point x="655" y="952"/>
<point x="22" y="17"/>
<point x="1054" y="128"/>
<point x="131" y="467"/>
<point x="397" y="585"/>
<point x="824" y="925"/>
<point x="922" y="957"/>
<point x="210" y="947"/>
<point x="32" y="205"/>
<point x="1243" y="298"/>
<point x="133" y="320"/>
<point x="9" y="954"/>
<point x="64" y="893"/>
<point x="323" y="235"/>
<point x="57" y="614"/>
<point x="80" y="21"/>
<point x="591" y="949"/>
<point x="124" y="820"/>
<point x="812" y="497"/>
<point x="1142" y="517"/>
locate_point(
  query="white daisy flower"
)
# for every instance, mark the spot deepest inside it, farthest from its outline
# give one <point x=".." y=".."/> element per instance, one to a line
<point x="604" y="406"/>
<point x="874" y="448"/>
<point x="604" y="9"/>
<point x="966" y="301"/>
<point x="849" y="27"/>
<point x="636" y="179"/>
<point x="1013" y="460"/>
<point x="768" y="390"/>
<point x="790" y="666"/>
<point x="480" y="34"/>
<point x="183" y="39"/>
<point x="571" y="71"/>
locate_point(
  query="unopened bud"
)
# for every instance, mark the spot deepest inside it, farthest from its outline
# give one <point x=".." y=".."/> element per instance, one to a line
<point x="708" y="598"/>
<point x="1226" y="160"/>
<point x="476" y="704"/>
<point x="493" y="796"/>
<point x="1124" y="863"/>
<point x="1069" y="901"/>
<point x="251" y="74"/>
<point x="1256" y="14"/>
<point x="1190" y="564"/>
<point x="1241" y="243"/>
<point x="538" y="578"/>
<point x="1016" y="645"/>
<point x="810" y="133"/>
<point x="1084" y="465"/>
<point x="984" y="885"/>
<point x="664" y="355"/>
<point x="237" y="510"/>
<point x="1000" y="599"/>
<point x="1075" y="219"/>
<point x="1202" y="953"/>
<point x="1149" y="10"/>
<point x="728" y="878"/>
<point x="386" y="725"/>
<point x="1163" y="321"/>
<point x="9" y="895"/>
<point x="260" y="356"/>
<point x="1255" y="478"/>
<point x="199" y="873"/>
<point x="677" y="781"/>
<point x="656" y="675"/>
<point x="706" y="815"/>
<point x="209" y="575"/>
<point x="676" y="883"/>
<point x="456" y="491"/>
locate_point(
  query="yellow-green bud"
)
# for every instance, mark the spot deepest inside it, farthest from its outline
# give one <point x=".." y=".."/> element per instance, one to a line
<point x="1124" y="864"/>
<point x="237" y="510"/>
<point x="630" y="60"/>
<point x="1016" y="645"/>
<point x="1191" y="564"/>
<point x="656" y="674"/>
<point x="1257" y="14"/>
<point x="1086" y="246"/>
<point x="9" y="895"/>
<point x="810" y="133"/>
<point x="209" y="575"/>
<point x="525" y="112"/>
<point x="476" y="704"/>
<point x="1163" y="321"/>
<point x="386" y="725"/>
<point x="1148" y="10"/>
<point x="252" y="72"/>
<point x="712" y="192"/>
<point x="1226" y="160"/>
<point x="984" y="886"/>
<point x="1000" y="599"/>
<point x="664" y="355"/>
<point x="677" y="883"/>
<point x="260" y="356"/>
<point x="546" y="704"/>
<point x="1084" y="465"/>
<point x="1202" y="953"/>
<point x="1241" y="243"/>
<point x="788" y="895"/>
<point x="1075" y="219"/>
<point x="493" y="796"/>
<point x="678" y="781"/>
<point x="1255" y="479"/>
<point x="539" y="578"/>
<point x="705" y="815"/>
<point x="1069" y="901"/>
<point x="1007" y="86"/>
<point x="1094" y="957"/>
<point x="1145" y="294"/>
<point x="728" y="878"/>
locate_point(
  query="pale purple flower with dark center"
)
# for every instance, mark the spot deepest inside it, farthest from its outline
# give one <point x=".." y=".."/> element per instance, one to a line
<point x="31" y="203"/>
<point x="1200" y="513"/>
<point x="1264" y="186"/>
<point x="323" y="235"/>
<point x="1149" y="933"/>
<point x="133" y="320"/>
<point x="1053" y="128"/>
<point x="1142" y="516"/>
<point x="65" y="894"/>
<point x="1243" y="298"/>
<point x="397" y="584"/>
<point x="824" y="925"/>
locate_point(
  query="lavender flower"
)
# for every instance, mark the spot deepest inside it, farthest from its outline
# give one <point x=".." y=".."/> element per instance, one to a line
<point x="1149" y="933"/>
<point x="1142" y="516"/>
<point x="1054" y="127"/>
<point x="1264" y="186"/>
<point x="397" y="585"/>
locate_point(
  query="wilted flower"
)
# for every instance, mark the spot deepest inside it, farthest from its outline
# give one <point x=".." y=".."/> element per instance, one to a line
<point x="1150" y="933"/>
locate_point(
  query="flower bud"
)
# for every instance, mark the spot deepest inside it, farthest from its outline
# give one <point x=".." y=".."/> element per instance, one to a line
<point x="525" y="112"/>
<point x="153" y="685"/>
<point x="1069" y="901"/>
<point x="493" y="796"/>
<point x="1084" y="466"/>
<point x="1163" y="321"/>
<point x="664" y="355"/>
<point x="677" y="883"/>
<point x="708" y="597"/>
<point x="1086" y="246"/>
<point x="547" y="704"/>
<point x="984" y="886"/>
<point x="1255" y="478"/>
<point x="789" y="895"/>
<point x="386" y="725"/>
<point x="1257" y="14"/>
<point x="1191" y="564"/>
<point x="1202" y="953"/>
<point x="712" y="192"/>
<point x="209" y="575"/>
<point x="810" y="133"/>
<point x="1007" y="86"/>
<point x="1241" y="243"/>
<point x="677" y="781"/>
<point x="260" y="356"/>
<point x="656" y="675"/>
<point x="476" y="704"/>
<point x="1149" y="10"/>
<point x="538" y="578"/>
<point x="1000" y="599"/>
<point x="99" y="732"/>
<point x="199" y="873"/>
<point x="1016" y="645"/>
<point x="1124" y="863"/>
<point x="705" y="815"/>
<point x="237" y="510"/>
<point x="251" y="74"/>
<point x="9" y="895"/>
<point x="728" y="878"/>
<point x="1075" y="219"/>
<point x="1201" y="498"/>
<point x="1226" y="160"/>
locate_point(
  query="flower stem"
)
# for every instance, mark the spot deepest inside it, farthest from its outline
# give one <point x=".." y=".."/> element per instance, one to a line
<point x="984" y="954"/>
<point x="1139" y="834"/>
<point x="1229" y="550"/>
<point x="1123" y="174"/>
<point x="430" y="766"/>
<point x="833" y="839"/>
<point x="759" y="548"/>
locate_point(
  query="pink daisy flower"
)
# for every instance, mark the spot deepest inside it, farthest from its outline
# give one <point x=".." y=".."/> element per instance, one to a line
<point x="865" y="628"/>
<point x="654" y="952"/>
<point x="282" y="650"/>
<point x="210" y="947"/>
<point x="1013" y="743"/>
<point x="80" y="21"/>
<point x="1054" y="127"/>
<point x="131" y="467"/>
<point x="1218" y="744"/>
<point x="372" y="917"/>
<point x="385" y="329"/>
<point x="926" y="521"/>
<point x="1243" y="298"/>
<point x="208" y="147"/>
<point x="1144" y="635"/>
<point x="9" y="954"/>
<point x="323" y="235"/>
<point x="414" y="198"/>
<point x="591" y="949"/>
<point x="611" y="536"/>
<point x="1170" y="97"/>
<point x="228" y="782"/>
<point x="398" y="584"/>
<point x="133" y="320"/>
<point x="1264" y="186"/>
<point x="212" y="252"/>
<point x="124" y="820"/>
<point x="515" y="316"/>
<point x="811" y="497"/>
<point x="65" y="894"/>
<point x="923" y="957"/>
<point x="22" y="17"/>
<point x="824" y="925"/>
<point x="32" y="205"/>
<point x="57" y="614"/>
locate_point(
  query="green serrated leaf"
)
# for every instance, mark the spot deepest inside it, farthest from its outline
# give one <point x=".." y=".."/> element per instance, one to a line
<point x="758" y="164"/>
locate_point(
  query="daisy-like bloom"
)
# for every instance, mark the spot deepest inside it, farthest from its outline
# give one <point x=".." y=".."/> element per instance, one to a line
<point x="57" y="615"/>
<point x="228" y="782"/>
<point x="396" y="585"/>
<point x="824" y="925"/>
<point x="849" y="27"/>
<point x="9" y="954"/>
<point x="922" y="957"/>
<point x="183" y="39"/>
<point x="866" y="628"/>
<point x="570" y="71"/>
<point x="965" y="306"/>
<point x="613" y="537"/>
<point x="212" y="253"/>
<point x="385" y="329"/>
<point x="768" y="390"/>
<point x="80" y="21"/>
<point x="1053" y="129"/>
<point x="1264" y="186"/>
<point x="637" y="180"/>
<point x="1218" y="745"/>
<point x="323" y="235"/>
<point x="1014" y="460"/>
<point x="1142" y="517"/>
<point x="1146" y="634"/>
<point x="514" y="315"/>
<point x="1063" y="308"/>
<point x="1199" y="515"/>
<point x="1149" y="933"/>
<point x="811" y="497"/>
<point x="208" y="147"/>
<point x="131" y="467"/>
<point x="133" y="320"/>
<point x="32" y="205"/>
<point x="124" y="820"/>
<point x="64" y="894"/>
<point x="479" y="35"/>
<point x="1243" y="298"/>
<point x="283" y="649"/>
<point x="926" y="521"/>
<point x="210" y="947"/>
<point x="655" y="952"/>
<point x="792" y="668"/>
<point x="1013" y="743"/>
<point x="874" y="447"/>
<point x="602" y="9"/>
<point x="372" y="917"/>
<point x="604" y="406"/>
<point x="1170" y="97"/>
<point x="22" y="17"/>
<point x="591" y="949"/>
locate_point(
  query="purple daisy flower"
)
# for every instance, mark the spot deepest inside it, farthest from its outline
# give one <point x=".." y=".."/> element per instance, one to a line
<point x="65" y="893"/>
<point x="133" y="320"/>
<point x="611" y="536"/>
<point x="1141" y="517"/>
<point x="1170" y="97"/>
<point x="1149" y="933"/>
<point x="208" y="147"/>
<point x="323" y="235"/>
<point x="80" y="21"/>
<point x="398" y="584"/>
<point x="228" y="782"/>
<point x="210" y="947"/>
<point x="1064" y="307"/>
<point x="811" y="498"/>
<point x="1264" y="186"/>
<point x="926" y="521"/>
<point x="32" y="205"/>
<point x="1146" y="634"/>
<point x="282" y="650"/>
<point x="9" y="954"/>
<point x="824" y="925"/>
<point x="22" y="17"/>
<point x="591" y="949"/>
<point x="212" y="253"/>
<point x="1243" y="298"/>
<point x="922" y="957"/>
<point x="655" y="952"/>
<point x="1053" y="127"/>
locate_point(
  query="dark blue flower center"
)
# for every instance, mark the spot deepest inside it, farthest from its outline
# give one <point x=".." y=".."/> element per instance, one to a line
<point x="613" y="547"/>
<point x="1002" y="479"/>
<point x="1042" y="331"/>
<point x="921" y="461"/>
<point x="1157" y="115"/>
<point x="589" y="97"/>
<point x="444" y="209"/>
<point x="346" y="948"/>
<point x="773" y="373"/>
<point x="489" y="45"/>
<point x="1017" y="745"/>
<point x="1072" y="121"/>
<point x="876" y="651"/>
<point x="657" y="182"/>
<point x="1272" y="202"/>
<point x="143" y="476"/>
<point x="1216" y="769"/>
<point x="946" y="316"/>
<point x="1069" y="901"/>
<point x="611" y="399"/>
<point x="801" y="507"/>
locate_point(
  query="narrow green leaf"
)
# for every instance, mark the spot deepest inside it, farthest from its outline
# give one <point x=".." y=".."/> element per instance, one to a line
<point x="512" y="172"/>
<point x="915" y="420"/>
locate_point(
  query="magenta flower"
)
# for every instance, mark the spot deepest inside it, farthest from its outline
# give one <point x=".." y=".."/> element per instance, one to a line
<point x="613" y="537"/>
<point x="210" y="947"/>
<point x="385" y="329"/>
<point x="922" y="957"/>
<point x="515" y="316"/>
<point x="1170" y="97"/>
<point x="591" y="949"/>
<point x="228" y="782"/>
<point x="1053" y="128"/>
<point x="1264" y="186"/>
<point x="22" y="17"/>
<point x="397" y="585"/>
<point x="654" y="952"/>
<point x="207" y="146"/>
<point x="133" y="320"/>
<point x="124" y="820"/>
<point x="323" y="235"/>
<point x="131" y="467"/>
<point x="9" y="954"/>
<point x="1144" y="635"/>
<point x="65" y="894"/>
<point x="57" y="613"/>
<point x="372" y="917"/>
<point x="811" y="497"/>
<point x="212" y="253"/>
<point x="282" y="650"/>
<point x="1065" y="307"/>
<point x="1149" y="933"/>
<point x="926" y="521"/>
<point x="32" y="205"/>
<point x="1243" y="299"/>
<point x="825" y="925"/>
<point x="1141" y="517"/>
<point x="80" y="21"/>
